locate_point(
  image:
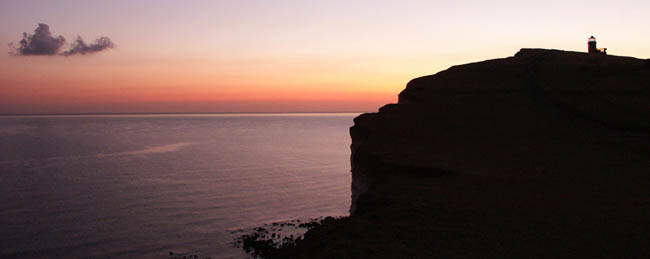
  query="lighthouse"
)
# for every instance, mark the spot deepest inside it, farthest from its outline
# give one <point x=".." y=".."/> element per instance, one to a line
<point x="592" y="45"/>
<point x="592" y="49"/>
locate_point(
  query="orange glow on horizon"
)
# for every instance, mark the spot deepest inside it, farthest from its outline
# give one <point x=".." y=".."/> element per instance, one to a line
<point x="315" y="86"/>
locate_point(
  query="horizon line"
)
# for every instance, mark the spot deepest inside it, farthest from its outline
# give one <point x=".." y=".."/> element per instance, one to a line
<point x="171" y="113"/>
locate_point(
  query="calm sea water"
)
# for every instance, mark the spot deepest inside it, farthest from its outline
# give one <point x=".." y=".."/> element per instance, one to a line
<point x="145" y="185"/>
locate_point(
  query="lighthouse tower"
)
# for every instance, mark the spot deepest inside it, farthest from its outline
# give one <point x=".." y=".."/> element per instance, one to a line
<point x="592" y="45"/>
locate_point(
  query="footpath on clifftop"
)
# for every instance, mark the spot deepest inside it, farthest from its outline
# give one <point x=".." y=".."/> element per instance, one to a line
<point x="543" y="154"/>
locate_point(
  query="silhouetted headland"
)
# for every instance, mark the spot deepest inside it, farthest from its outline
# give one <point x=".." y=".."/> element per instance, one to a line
<point x="544" y="154"/>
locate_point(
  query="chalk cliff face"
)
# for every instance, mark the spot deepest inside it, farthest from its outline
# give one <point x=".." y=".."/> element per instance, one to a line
<point x="537" y="112"/>
<point x="542" y="154"/>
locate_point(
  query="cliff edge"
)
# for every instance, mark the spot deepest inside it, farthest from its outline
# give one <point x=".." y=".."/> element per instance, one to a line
<point x="543" y="154"/>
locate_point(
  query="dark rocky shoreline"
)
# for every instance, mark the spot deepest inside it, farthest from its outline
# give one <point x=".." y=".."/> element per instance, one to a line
<point x="268" y="240"/>
<point x="543" y="154"/>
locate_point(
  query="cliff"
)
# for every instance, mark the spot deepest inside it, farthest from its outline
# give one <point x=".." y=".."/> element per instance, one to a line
<point x="544" y="154"/>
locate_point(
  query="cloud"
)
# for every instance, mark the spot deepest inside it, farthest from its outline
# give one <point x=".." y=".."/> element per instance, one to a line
<point x="43" y="43"/>
<point x="40" y="43"/>
<point x="80" y="47"/>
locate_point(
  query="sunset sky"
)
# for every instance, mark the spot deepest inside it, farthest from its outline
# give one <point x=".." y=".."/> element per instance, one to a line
<point x="282" y="56"/>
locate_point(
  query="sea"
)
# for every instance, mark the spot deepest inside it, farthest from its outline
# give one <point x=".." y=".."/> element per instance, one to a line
<point x="164" y="185"/>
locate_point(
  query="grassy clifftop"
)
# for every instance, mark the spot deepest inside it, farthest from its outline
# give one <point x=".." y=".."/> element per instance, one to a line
<point x="609" y="90"/>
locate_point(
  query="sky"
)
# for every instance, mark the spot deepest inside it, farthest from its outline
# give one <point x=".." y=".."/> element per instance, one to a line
<point x="281" y="56"/>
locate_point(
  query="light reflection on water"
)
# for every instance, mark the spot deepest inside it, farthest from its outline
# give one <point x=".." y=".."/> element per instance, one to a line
<point x="141" y="186"/>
